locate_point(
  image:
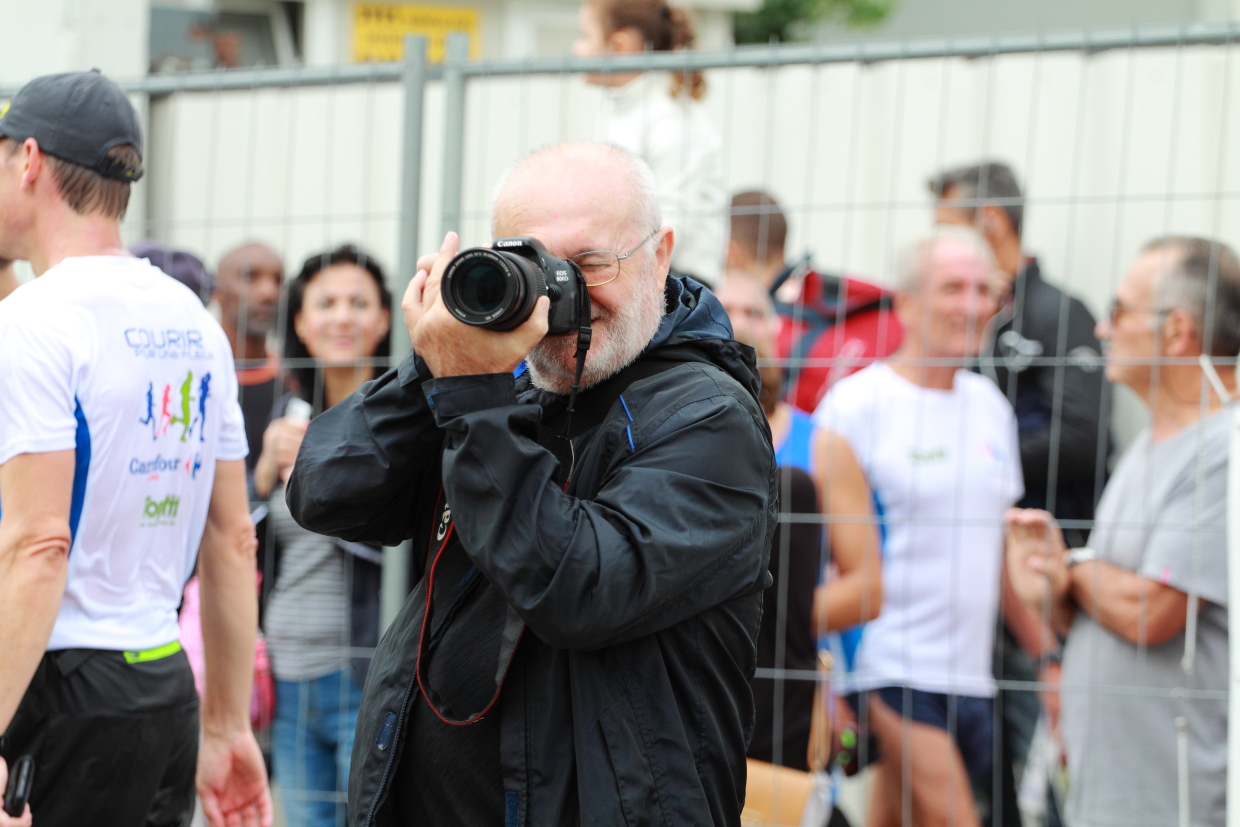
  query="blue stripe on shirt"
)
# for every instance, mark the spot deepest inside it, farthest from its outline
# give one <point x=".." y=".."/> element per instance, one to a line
<point x="81" y="469"/>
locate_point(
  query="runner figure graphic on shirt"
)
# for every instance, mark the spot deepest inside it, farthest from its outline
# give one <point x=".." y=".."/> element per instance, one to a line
<point x="150" y="412"/>
<point x="187" y="397"/>
<point x="167" y="417"/>
<point x="204" y="391"/>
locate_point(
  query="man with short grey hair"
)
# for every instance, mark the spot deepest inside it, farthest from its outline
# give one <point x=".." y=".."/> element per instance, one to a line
<point x="1144" y="606"/>
<point x="936" y="444"/>
<point x="579" y="646"/>
<point x="1043" y="355"/>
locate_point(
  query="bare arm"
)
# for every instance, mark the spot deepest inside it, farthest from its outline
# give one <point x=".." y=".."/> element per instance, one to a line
<point x="1138" y="609"/>
<point x="229" y="602"/>
<point x="1036" y="567"/>
<point x="35" y="490"/>
<point x="232" y="780"/>
<point x="1031" y="632"/>
<point x="857" y="594"/>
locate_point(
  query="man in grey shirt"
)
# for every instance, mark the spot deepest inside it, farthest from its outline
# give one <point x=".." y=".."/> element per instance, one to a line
<point x="1144" y="608"/>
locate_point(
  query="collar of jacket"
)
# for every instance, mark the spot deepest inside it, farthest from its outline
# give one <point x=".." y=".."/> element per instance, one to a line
<point x="694" y="328"/>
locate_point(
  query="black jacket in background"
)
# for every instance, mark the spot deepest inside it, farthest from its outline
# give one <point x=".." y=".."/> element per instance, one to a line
<point x="1049" y="365"/>
<point x="796" y="561"/>
<point x="628" y="700"/>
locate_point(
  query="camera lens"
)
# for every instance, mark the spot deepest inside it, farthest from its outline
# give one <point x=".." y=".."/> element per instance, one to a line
<point x="491" y="288"/>
<point x="482" y="289"/>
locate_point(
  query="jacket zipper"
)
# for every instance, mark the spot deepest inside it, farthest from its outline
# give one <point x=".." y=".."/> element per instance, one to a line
<point x="387" y="768"/>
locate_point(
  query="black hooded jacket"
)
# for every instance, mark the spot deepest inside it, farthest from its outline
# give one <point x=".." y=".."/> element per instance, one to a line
<point x="1048" y="364"/>
<point x="627" y="701"/>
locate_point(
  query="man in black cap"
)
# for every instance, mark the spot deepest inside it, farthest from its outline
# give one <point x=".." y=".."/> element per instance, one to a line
<point x="121" y="461"/>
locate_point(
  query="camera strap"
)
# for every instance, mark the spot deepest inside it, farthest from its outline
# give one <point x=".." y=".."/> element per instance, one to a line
<point x="584" y="334"/>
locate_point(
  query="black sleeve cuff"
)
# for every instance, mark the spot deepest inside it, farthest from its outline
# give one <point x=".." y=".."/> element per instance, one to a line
<point x="412" y="369"/>
<point x="453" y="396"/>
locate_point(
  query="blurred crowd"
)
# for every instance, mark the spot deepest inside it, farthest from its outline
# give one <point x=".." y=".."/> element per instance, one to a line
<point x="1025" y="624"/>
<point x="964" y="412"/>
<point x="909" y="419"/>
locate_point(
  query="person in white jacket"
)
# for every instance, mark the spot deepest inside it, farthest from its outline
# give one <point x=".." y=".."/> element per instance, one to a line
<point x="659" y="117"/>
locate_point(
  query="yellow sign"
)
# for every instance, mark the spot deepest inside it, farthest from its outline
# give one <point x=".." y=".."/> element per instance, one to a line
<point x="379" y="29"/>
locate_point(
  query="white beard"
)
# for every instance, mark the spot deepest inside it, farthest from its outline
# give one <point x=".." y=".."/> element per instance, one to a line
<point x="553" y="362"/>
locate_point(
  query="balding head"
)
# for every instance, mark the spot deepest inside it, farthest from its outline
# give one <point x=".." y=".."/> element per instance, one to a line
<point x="578" y="198"/>
<point x="946" y="292"/>
<point x="248" y="282"/>
<point x="600" y="178"/>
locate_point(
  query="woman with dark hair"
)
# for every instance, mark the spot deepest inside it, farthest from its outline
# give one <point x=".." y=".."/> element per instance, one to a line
<point x="661" y="120"/>
<point x="321" y="596"/>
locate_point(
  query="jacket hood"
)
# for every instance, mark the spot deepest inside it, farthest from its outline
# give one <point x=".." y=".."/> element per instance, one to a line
<point x="696" y="328"/>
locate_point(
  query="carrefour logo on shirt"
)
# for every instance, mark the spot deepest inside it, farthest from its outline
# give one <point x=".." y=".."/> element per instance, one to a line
<point x="149" y="343"/>
<point x="159" y="464"/>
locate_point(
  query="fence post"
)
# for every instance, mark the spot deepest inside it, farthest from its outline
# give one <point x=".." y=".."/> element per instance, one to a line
<point x="454" y="129"/>
<point x="395" y="582"/>
<point x="413" y="80"/>
<point x="1233" y="630"/>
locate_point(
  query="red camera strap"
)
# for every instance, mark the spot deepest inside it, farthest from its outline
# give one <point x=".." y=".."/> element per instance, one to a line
<point x="513" y="631"/>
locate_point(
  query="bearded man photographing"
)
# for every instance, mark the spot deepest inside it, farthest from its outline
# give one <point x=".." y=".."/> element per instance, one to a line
<point x="590" y="562"/>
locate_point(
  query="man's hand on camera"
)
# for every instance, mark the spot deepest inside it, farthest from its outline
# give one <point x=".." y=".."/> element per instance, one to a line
<point x="449" y="346"/>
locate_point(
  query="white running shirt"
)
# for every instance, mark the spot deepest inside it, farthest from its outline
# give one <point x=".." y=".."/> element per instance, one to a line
<point x="109" y="357"/>
<point x="944" y="466"/>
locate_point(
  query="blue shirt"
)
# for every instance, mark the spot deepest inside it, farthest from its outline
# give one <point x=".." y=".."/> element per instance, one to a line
<point x="797" y="448"/>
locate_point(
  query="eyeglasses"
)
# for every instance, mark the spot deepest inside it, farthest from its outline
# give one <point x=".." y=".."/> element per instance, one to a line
<point x="1118" y="309"/>
<point x="602" y="266"/>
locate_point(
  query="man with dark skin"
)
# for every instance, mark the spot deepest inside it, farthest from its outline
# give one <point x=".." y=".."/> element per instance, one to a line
<point x="249" y="279"/>
<point x="248" y="283"/>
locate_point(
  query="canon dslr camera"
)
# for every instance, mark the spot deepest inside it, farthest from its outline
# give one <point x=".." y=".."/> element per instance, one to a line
<point x="496" y="287"/>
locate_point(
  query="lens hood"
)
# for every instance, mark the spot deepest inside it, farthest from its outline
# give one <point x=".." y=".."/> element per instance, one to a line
<point x="495" y="289"/>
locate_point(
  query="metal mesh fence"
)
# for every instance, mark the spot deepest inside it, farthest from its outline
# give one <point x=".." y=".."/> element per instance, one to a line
<point x="1116" y="138"/>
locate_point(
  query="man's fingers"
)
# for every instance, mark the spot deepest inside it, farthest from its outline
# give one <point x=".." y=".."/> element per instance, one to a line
<point x="249" y="815"/>
<point x="211" y="808"/>
<point x="533" y="330"/>
<point x="265" y="810"/>
<point x="446" y="251"/>
<point x="427" y="261"/>
<point x="413" y="293"/>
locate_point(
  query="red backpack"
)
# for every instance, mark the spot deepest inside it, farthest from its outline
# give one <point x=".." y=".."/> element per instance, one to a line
<point x="832" y="327"/>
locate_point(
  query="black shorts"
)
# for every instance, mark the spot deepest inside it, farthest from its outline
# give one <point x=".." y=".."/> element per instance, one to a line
<point x="113" y="742"/>
<point x="969" y="720"/>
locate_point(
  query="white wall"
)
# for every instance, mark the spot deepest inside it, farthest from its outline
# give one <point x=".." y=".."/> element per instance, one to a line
<point x="300" y="170"/>
<point x="50" y="36"/>
<point x="1113" y="148"/>
<point x="73" y="35"/>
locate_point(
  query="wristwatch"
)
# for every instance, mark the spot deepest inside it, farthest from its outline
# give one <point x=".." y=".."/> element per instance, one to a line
<point x="1053" y="656"/>
<point x="1084" y="554"/>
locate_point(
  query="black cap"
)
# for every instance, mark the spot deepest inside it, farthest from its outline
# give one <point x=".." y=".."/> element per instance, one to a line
<point x="77" y="117"/>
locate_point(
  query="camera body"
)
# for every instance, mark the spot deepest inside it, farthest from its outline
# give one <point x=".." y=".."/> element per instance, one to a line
<point x="496" y="287"/>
